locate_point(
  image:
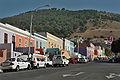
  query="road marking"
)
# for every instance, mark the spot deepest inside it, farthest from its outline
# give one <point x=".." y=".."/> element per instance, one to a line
<point x="112" y="75"/>
<point x="69" y="75"/>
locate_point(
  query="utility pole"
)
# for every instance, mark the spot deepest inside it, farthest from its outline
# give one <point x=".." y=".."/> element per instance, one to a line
<point x="31" y="24"/>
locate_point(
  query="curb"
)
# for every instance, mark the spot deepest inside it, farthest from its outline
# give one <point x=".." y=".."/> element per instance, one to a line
<point x="1" y="70"/>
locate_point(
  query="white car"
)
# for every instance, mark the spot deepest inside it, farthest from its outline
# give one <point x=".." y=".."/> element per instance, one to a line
<point x="15" y="64"/>
<point x="48" y="62"/>
<point x="38" y="61"/>
<point x="60" y="60"/>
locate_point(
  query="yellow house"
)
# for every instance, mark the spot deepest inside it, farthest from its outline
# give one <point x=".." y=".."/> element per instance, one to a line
<point x="51" y="40"/>
<point x="54" y="41"/>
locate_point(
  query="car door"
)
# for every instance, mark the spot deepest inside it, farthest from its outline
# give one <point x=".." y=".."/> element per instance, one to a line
<point x="19" y="61"/>
<point x="24" y="64"/>
<point x="42" y="62"/>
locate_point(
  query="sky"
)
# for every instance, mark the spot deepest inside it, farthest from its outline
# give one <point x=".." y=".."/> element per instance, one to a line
<point x="14" y="7"/>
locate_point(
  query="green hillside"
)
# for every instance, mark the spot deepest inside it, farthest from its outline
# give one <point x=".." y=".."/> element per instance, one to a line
<point x="60" y="22"/>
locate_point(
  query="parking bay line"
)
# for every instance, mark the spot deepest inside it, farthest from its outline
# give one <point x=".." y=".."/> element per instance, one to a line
<point x="70" y="75"/>
<point x="112" y="75"/>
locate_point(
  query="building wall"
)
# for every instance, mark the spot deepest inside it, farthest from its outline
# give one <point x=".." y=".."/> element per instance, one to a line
<point x="71" y="49"/>
<point x="66" y="45"/>
<point x="23" y="38"/>
<point x="51" y="41"/>
<point x="7" y="31"/>
<point x="41" y="41"/>
<point x="9" y="48"/>
<point x="59" y="43"/>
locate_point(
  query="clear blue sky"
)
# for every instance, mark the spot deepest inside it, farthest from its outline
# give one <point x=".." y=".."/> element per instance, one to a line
<point x="14" y="7"/>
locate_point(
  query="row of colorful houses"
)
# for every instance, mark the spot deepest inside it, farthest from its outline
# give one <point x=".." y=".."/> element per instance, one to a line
<point x="20" y="40"/>
<point x="90" y="50"/>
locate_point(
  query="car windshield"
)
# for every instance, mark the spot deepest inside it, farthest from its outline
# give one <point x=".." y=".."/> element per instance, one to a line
<point x="57" y="57"/>
<point x="11" y="59"/>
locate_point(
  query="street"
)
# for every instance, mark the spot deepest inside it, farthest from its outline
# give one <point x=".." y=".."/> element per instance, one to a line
<point x="89" y="71"/>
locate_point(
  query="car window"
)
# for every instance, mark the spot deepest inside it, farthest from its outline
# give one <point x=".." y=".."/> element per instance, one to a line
<point x="48" y="59"/>
<point x="38" y="59"/>
<point x="43" y="59"/>
<point x="58" y="57"/>
<point x="19" y="60"/>
<point x="11" y="59"/>
<point x="64" y="57"/>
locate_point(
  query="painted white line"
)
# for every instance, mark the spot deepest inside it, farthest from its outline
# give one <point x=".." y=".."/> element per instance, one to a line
<point x="112" y="75"/>
<point x="68" y="75"/>
<point x="79" y="73"/>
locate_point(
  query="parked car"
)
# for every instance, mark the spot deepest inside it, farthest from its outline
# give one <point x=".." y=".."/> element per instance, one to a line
<point x="72" y="60"/>
<point x="115" y="59"/>
<point x="15" y="64"/>
<point x="82" y="60"/>
<point x="39" y="61"/>
<point x="60" y="60"/>
<point x="48" y="62"/>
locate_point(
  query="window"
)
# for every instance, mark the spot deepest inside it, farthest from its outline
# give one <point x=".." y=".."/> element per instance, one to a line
<point x="5" y="38"/>
<point x="13" y="39"/>
<point x="40" y="44"/>
<point x="49" y="44"/>
<point x="25" y="43"/>
<point x="52" y="45"/>
<point x="36" y="44"/>
<point x="20" y="42"/>
<point x="19" y="60"/>
<point x="55" y="45"/>
<point x="30" y="43"/>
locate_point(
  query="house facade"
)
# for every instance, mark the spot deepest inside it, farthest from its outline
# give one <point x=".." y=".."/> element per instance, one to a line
<point x="40" y="42"/>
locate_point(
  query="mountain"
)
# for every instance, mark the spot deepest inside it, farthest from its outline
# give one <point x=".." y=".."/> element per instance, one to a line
<point x="67" y="23"/>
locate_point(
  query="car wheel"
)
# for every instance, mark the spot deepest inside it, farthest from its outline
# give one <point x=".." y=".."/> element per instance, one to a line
<point x="45" y="66"/>
<point x="54" y="65"/>
<point x="63" y="65"/>
<point x="28" y="67"/>
<point x="37" y="66"/>
<point x="67" y="64"/>
<point x="17" y="68"/>
<point x="4" y="70"/>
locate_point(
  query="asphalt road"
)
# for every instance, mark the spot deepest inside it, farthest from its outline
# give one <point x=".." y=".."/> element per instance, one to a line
<point x="89" y="71"/>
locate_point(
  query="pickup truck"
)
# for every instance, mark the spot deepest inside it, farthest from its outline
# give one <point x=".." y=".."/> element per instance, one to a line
<point x="60" y="60"/>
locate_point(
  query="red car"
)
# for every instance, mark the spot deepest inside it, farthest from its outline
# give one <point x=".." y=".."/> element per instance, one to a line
<point x="73" y="60"/>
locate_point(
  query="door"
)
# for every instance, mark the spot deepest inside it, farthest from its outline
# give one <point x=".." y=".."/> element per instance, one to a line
<point x="19" y="61"/>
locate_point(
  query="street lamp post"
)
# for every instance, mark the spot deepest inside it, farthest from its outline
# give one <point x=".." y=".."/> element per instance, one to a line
<point x="31" y="24"/>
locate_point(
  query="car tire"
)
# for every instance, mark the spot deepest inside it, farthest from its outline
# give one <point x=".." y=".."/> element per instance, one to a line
<point x="17" y="68"/>
<point x="54" y="65"/>
<point x="67" y="64"/>
<point x="4" y="71"/>
<point x="45" y="66"/>
<point x="63" y="65"/>
<point x="37" y="66"/>
<point x="28" y="67"/>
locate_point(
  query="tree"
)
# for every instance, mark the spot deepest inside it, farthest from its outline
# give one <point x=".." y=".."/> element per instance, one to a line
<point x="115" y="47"/>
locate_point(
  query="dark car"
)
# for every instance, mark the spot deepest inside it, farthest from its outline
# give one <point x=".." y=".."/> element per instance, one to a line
<point x="115" y="59"/>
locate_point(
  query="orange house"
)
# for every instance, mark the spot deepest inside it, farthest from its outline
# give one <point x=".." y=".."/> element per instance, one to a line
<point x="23" y="41"/>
